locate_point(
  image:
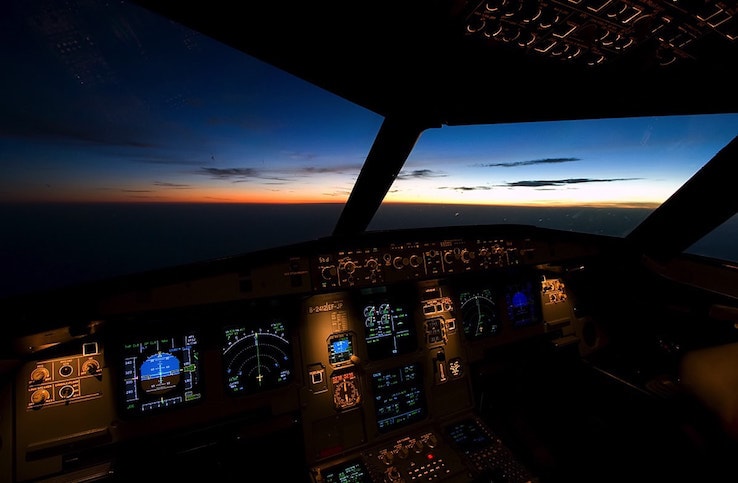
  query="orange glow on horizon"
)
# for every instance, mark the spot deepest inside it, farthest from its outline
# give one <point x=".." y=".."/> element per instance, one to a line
<point x="294" y="199"/>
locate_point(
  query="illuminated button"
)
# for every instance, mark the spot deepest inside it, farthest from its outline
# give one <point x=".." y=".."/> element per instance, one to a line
<point x="66" y="392"/>
<point x="66" y="370"/>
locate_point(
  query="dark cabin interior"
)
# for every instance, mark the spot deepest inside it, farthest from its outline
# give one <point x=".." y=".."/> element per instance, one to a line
<point x="622" y="364"/>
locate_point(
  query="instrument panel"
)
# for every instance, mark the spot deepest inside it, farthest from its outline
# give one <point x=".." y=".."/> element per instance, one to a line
<point x="360" y="365"/>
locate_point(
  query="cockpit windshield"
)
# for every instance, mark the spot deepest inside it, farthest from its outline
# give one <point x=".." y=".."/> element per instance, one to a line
<point x="125" y="133"/>
<point x="600" y="176"/>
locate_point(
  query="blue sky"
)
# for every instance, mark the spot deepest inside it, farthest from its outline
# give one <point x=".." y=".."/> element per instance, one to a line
<point x="140" y="109"/>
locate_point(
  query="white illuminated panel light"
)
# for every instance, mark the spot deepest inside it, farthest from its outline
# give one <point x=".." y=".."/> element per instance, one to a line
<point x="594" y="31"/>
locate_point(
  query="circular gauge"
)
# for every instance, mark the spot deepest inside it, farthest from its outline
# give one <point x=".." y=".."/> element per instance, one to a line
<point x="345" y="390"/>
<point x="256" y="359"/>
<point x="479" y="315"/>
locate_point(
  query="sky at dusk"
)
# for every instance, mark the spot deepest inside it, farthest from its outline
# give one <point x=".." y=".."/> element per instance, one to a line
<point x="136" y="108"/>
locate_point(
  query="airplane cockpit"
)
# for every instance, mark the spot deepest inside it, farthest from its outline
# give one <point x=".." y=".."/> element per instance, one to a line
<point x="492" y="352"/>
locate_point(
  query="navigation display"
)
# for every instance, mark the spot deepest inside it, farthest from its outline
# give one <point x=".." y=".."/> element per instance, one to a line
<point x="399" y="396"/>
<point x="523" y="303"/>
<point x="389" y="329"/>
<point x="257" y="356"/>
<point x="161" y="372"/>
<point x="480" y="315"/>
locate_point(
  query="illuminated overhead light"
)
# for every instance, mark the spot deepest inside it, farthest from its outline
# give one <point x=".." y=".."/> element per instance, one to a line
<point x="681" y="39"/>
<point x="729" y="29"/>
<point x="665" y="57"/>
<point x="617" y="11"/>
<point x="598" y="7"/>
<point x="608" y="40"/>
<point x="494" y="5"/>
<point x="709" y="17"/>
<point x="575" y="53"/>
<point x="593" y="31"/>
<point x="592" y="58"/>
<point x="533" y="18"/>
<point x="661" y="25"/>
<point x="526" y="39"/>
<point x="565" y="30"/>
<point x="624" y="43"/>
<point x="559" y="49"/>
<point x="545" y="47"/>
<point x="719" y="19"/>
<point x="510" y="33"/>
<point x="476" y="26"/>
<point x="512" y="8"/>
<point x="493" y="29"/>
<point x="625" y="14"/>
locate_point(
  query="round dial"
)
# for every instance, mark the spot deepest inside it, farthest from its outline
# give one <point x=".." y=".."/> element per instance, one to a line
<point x="40" y="396"/>
<point x="346" y="392"/>
<point x="39" y="374"/>
<point x="479" y="314"/>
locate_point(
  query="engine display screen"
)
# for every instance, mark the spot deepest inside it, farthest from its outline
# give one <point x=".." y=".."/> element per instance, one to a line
<point x="399" y="396"/>
<point x="257" y="356"/>
<point x="389" y="329"/>
<point x="161" y="372"/>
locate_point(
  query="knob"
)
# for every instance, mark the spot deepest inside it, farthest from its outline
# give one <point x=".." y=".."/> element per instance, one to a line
<point x="349" y="267"/>
<point x="393" y="475"/>
<point x="90" y="366"/>
<point x="39" y="374"/>
<point x="328" y="273"/>
<point x="401" y="452"/>
<point x="431" y="440"/>
<point x="414" y="260"/>
<point x="40" y="396"/>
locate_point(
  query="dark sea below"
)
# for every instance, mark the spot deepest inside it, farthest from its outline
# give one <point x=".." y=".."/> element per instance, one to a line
<point x="49" y="246"/>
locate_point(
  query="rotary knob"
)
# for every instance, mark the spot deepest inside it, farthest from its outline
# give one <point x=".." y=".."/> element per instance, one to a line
<point x="393" y="475"/>
<point x="91" y="367"/>
<point x="39" y="374"/>
<point x="415" y="261"/>
<point x="430" y="440"/>
<point x="328" y="273"/>
<point x="40" y="396"/>
<point x="349" y="267"/>
<point x="401" y="451"/>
